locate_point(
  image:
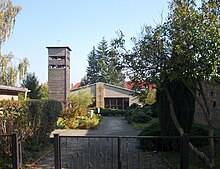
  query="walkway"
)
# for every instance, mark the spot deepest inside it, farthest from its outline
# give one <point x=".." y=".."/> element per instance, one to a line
<point x="109" y="126"/>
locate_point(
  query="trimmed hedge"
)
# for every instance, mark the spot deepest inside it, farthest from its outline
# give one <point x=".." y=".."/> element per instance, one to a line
<point x="112" y="112"/>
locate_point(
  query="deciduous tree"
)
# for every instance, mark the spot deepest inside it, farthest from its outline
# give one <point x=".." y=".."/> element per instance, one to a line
<point x="10" y="70"/>
<point x="185" y="49"/>
<point x="8" y="13"/>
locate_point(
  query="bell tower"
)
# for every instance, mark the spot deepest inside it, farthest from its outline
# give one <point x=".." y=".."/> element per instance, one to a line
<point x="59" y="73"/>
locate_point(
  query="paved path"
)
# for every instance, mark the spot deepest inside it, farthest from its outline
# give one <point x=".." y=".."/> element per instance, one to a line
<point x="102" y="153"/>
<point x="117" y="126"/>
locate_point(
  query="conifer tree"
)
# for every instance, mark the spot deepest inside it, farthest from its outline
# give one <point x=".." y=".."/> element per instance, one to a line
<point x="103" y="67"/>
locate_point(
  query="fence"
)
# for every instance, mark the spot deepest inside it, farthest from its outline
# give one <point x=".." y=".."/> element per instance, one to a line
<point x="130" y="152"/>
<point x="10" y="151"/>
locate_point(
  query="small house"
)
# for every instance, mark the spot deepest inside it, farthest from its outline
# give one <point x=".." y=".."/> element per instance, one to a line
<point x="11" y="93"/>
<point x="109" y="96"/>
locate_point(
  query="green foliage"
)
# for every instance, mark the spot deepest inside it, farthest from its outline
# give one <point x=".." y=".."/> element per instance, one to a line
<point x="112" y="112"/>
<point x="78" y="104"/>
<point x="194" y="35"/>
<point x="103" y="65"/>
<point x="166" y="144"/>
<point x="32" y="84"/>
<point x="59" y="123"/>
<point x="138" y="114"/>
<point x="184" y="105"/>
<point x="155" y="110"/>
<point x="10" y="70"/>
<point x="133" y="106"/>
<point x="8" y="13"/>
<point x="83" y="99"/>
<point x="33" y="119"/>
<point x="13" y="117"/>
<point x="44" y="91"/>
<point x="152" y="130"/>
<point x="80" y="122"/>
<point x="85" y="122"/>
<point x="75" y="114"/>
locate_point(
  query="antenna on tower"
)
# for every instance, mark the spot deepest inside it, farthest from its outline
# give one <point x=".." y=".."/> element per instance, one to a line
<point x="59" y="42"/>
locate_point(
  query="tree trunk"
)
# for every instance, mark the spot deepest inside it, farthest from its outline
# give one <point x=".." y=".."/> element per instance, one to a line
<point x="207" y="113"/>
<point x="211" y="128"/>
<point x="200" y="154"/>
<point x="173" y="114"/>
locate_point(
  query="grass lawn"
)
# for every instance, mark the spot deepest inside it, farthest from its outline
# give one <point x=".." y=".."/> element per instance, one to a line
<point x="141" y="126"/>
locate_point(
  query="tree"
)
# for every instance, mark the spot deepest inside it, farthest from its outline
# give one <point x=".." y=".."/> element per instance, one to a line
<point x="183" y="50"/>
<point x="103" y="65"/>
<point x="84" y="81"/>
<point x="8" y="13"/>
<point x="33" y="85"/>
<point x="9" y="70"/>
<point x="195" y="37"/>
<point x="44" y="91"/>
<point x="93" y="70"/>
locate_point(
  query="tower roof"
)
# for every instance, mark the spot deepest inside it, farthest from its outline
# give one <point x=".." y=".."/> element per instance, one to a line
<point x="48" y="47"/>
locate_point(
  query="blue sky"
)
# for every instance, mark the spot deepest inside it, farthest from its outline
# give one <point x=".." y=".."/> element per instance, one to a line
<point x="79" y="24"/>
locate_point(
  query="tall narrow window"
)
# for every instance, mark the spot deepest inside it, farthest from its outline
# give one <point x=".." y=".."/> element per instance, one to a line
<point x="214" y="104"/>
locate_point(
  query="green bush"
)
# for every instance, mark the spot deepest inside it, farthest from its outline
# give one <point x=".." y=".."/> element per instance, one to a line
<point x="80" y="122"/>
<point x="59" y="123"/>
<point x="33" y="119"/>
<point x="77" y="105"/>
<point x="138" y="114"/>
<point x="112" y="112"/>
<point x="152" y="130"/>
<point x="158" y="144"/>
<point x="133" y="106"/>
<point x="42" y="115"/>
<point x="155" y="110"/>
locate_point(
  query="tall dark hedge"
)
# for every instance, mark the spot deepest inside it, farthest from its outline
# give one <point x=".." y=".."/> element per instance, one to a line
<point x="42" y="115"/>
<point x="184" y="105"/>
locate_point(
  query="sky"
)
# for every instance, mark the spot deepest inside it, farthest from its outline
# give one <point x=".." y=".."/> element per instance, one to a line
<point x="78" y="24"/>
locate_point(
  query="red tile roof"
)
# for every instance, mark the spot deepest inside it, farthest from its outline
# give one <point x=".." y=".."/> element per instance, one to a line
<point x="130" y="85"/>
<point x="75" y="86"/>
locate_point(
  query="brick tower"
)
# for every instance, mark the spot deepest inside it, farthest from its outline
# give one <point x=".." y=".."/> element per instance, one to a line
<point x="59" y="73"/>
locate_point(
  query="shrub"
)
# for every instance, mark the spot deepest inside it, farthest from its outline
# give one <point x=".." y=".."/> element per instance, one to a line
<point x="59" y="123"/>
<point x="138" y="114"/>
<point x="133" y="106"/>
<point x="76" y="114"/>
<point x="34" y="119"/>
<point x="42" y="115"/>
<point x="77" y="105"/>
<point x="158" y="144"/>
<point x="155" y="110"/>
<point x="112" y="112"/>
<point x="80" y="122"/>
